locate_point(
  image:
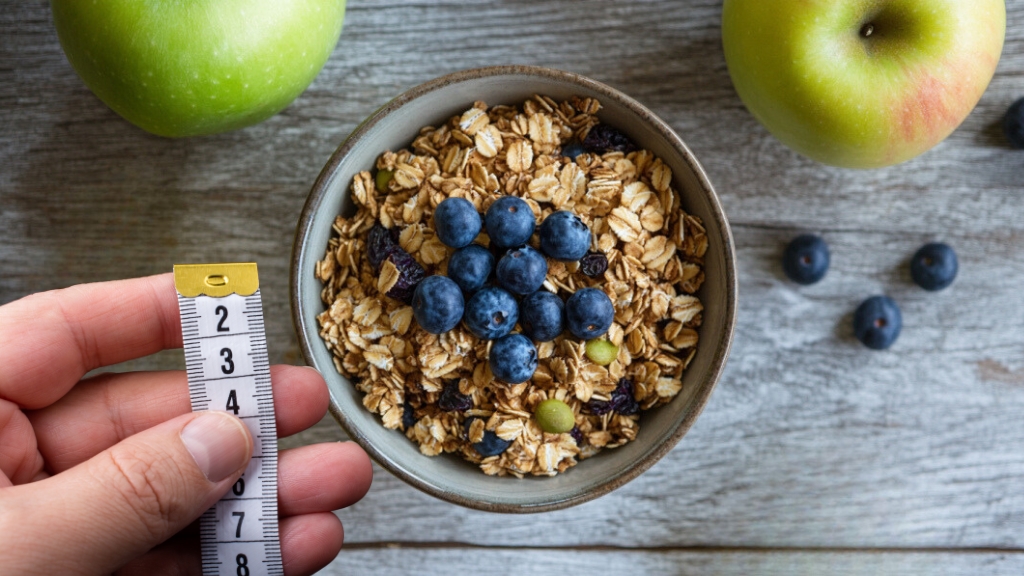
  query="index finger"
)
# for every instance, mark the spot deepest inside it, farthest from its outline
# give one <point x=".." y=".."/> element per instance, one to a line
<point x="48" y="341"/>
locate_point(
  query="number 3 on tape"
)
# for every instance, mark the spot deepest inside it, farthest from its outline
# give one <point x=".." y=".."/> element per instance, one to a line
<point x="228" y="369"/>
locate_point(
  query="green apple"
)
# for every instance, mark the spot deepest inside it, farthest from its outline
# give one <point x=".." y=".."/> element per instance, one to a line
<point x="190" y="67"/>
<point x="862" y="83"/>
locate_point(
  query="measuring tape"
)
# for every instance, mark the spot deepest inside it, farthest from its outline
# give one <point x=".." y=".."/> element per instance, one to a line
<point x="229" y="370"/>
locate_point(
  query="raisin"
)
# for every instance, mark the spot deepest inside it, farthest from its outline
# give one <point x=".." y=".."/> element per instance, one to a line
<point x="408" y="416"/>
<point x="621" y="401"/>
<point x="604" y="138"/>
<point x="577" y="435"/>
<point x="410" y="274"/>
<point x="451" y="400"/>
<point x="380" y="243"/>
<point x="626" y="404"/>
<point x="594" y="264"/>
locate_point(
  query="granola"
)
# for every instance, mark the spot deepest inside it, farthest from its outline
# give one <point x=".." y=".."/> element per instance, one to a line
<point x="439" y="389"/>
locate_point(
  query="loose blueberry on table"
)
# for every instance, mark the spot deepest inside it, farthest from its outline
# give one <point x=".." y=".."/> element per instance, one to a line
<point x="934" y="266"/>
<point x="491" y="313"/>
<point x="1013" y="124"/>
<point x="509" y="222"/>
<point x="806" y="259"/>
<point x="877" y="322"/>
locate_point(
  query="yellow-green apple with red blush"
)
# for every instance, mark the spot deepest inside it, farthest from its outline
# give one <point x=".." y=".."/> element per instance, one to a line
<point x="190" y="67"/>
<point x="862" y="83"/>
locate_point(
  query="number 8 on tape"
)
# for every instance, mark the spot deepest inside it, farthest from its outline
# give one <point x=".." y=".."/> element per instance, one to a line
<point x="229" y="370"/>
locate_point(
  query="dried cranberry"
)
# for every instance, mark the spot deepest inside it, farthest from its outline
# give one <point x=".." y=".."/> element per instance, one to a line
<point x="410" y="273"/>
<point x="380" y="243"/>
<point x="621" y="401"/>
<point x="451" y="400"/>
<point x="594" y="264"/>
<point x="604" y="138"/>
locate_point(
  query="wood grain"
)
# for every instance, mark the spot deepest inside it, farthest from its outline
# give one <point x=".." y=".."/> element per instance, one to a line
<point x="812" y="447"/>
<point x="511" y="561"/>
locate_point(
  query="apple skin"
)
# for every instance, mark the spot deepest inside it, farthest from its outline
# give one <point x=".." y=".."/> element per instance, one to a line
<point x="189" y="67"/>
<point x="805" y="70"/>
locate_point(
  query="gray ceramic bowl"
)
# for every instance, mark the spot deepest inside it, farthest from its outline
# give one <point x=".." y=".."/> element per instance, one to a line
<point x="449" y="477"/>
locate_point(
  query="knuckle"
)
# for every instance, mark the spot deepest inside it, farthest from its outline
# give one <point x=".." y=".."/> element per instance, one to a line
<point x="146" y="490"/>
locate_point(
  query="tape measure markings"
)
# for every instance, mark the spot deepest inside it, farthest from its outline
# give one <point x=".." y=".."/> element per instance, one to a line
<point x="230" y="371"/>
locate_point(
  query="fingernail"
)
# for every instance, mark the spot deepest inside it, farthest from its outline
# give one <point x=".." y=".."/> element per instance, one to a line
<point x="218" y="442"/>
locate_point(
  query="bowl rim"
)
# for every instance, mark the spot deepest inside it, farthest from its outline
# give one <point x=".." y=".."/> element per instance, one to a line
<point x="715" y="367"/>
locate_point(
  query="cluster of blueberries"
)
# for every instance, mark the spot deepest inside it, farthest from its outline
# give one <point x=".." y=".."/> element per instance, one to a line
<point x="877" y="321"/>
<point x="493" y="283"/>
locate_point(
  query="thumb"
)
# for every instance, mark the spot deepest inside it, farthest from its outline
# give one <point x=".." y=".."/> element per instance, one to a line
<point x="125" y="500"/>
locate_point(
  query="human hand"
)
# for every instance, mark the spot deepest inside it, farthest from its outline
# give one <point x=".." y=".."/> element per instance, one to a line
<point x="107" y="474"/>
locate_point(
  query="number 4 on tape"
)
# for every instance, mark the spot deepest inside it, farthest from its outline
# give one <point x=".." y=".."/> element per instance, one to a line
<point x="229" y="370"/>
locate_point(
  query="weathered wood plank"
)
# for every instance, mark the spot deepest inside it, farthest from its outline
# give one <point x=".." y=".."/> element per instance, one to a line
<point x="810" y="440"/>
<point x="458" y="560"/>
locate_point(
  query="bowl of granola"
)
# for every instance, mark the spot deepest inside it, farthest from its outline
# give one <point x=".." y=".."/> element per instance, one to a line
<point x="519" y="285"/>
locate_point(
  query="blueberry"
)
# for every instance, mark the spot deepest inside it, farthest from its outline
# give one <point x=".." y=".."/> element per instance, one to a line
<point x="456" y="222"/>
<point x="491" y="313"/>
<point x="542" y="316"/>
<point x="470" y="267"/>
<point x="806" y="259"/>
<point x="877" y="322"/>
<point x="934" y="266"/>
<point x="513" y="359"/>
<point x="572" y="150"/>
<point x="522" y="270"/>
<point x="589" y="313"/>
<point x="563" y="236"/>
<point x="491" y="444"/>
<point x="509" y="222"/>
<point x="437" y="304"/>
<point x="1013" y="124"/>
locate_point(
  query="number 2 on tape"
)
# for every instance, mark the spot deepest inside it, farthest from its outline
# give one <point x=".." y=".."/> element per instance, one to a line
<point x="229" y="370"/>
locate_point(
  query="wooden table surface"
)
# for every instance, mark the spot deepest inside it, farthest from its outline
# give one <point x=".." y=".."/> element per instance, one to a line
<point x="814" y="455"/>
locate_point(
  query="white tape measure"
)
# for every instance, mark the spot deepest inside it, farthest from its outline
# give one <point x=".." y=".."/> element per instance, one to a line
<point x="229" y="370"/>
